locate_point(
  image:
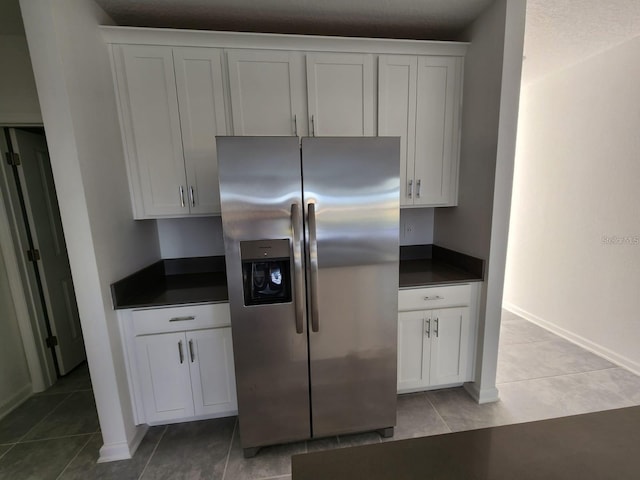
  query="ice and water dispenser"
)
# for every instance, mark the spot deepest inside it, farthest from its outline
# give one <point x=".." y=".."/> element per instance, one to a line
<point x="266" y="271"/>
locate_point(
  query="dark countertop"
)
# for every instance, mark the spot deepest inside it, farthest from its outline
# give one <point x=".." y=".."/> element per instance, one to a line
<point x="424" y="265"/>
<point x="203" y="279"/>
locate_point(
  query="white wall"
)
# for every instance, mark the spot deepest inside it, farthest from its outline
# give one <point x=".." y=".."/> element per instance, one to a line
<point x="479" y="225"/>
<point x="190" y="237"/>
<point x="576" y="187"/>
<point x="73" y="76"/>
<point x="416" y="226"/>
<point x="202" y="236"/>
<point x="18" y="96"/>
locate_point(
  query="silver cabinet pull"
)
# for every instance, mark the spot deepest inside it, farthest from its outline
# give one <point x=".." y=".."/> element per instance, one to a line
<point x="191" y="353"/>
<point x="428" y="330"/>
<point x="182" y="319"/>
<point x="313" y="126"/>
<point x="418" y="188"/>
<point x="313" y="261"/>
<point x="435" y="297"/>
<point x="181" y="196"/>
<point x="437" y="327"/>
<point x="192" y="197"/>
<point x="295" y="125"/>
<point x="410" y="193"/>
<point x="296" y="223"/>
<point x="180" y="352"/>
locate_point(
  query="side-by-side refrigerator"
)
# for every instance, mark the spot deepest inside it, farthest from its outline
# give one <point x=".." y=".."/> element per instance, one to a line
<point x="311" y="243"/>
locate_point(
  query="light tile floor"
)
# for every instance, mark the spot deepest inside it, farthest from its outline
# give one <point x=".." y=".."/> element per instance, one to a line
<point x="55" y="435"/>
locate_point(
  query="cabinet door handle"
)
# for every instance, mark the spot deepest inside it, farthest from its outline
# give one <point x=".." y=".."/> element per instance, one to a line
<point x="418" y="188"/>
<point x="428" y="330"/>
<point x="192" y="197"/>
<point x="182" y="319"/>
<point x="295" y="125"/>
<point x="435" y="297"/>
<point x="437" y="327"/>
<point x="191" y="352"/>
<point x="181" y="196"/>
<point x="313" y="126"/>
<point x="410" y="192"/>
<point x="180" y="352"/>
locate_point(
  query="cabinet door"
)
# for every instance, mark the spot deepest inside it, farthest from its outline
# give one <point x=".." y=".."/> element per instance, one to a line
<point x="267" y="92"/>
<point x="436" y="156"/>
<point x="414" y="349"/>
<point x="397" y="76"/>
<point x="212" y="373"/>
<point x="449" y="339"/>
<point x="340" y="94"/>
<point x="147" y="90"/>
<point x="163" y="370"/>
<point x="202" y="116"/>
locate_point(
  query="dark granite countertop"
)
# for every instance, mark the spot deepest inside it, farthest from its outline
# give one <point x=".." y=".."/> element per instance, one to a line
<point x="424" y="265"/>
<point x="203" y="279"/>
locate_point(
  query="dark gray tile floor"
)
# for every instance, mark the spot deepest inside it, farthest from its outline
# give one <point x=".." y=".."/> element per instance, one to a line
<point x="55" y="435"/>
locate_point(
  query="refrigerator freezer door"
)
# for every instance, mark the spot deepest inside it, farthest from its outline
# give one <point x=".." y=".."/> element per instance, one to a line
<point x="260" y="190"/>
<point x="352" y="186"/>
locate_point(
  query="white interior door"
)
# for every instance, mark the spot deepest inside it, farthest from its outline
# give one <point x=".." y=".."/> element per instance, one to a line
<point x="48" y="238"/>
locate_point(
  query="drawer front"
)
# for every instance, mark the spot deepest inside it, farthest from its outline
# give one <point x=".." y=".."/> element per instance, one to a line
<point x="434" y="297"/>
<point x="175" y="319"/>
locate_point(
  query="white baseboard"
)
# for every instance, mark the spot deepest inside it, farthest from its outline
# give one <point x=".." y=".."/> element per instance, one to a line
<point x="15" y="400"/>
<point x="604" y="352"/>
<point x="487" y="395"/>
<point x="123" y="450"/>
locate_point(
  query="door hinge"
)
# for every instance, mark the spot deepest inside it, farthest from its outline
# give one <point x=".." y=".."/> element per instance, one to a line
<point x="51" y="341"/>
<point x="33" y="255"/>
<point x="13" y="158"/>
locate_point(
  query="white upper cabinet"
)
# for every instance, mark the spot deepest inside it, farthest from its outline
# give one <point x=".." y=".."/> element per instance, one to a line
<point x="178" y="90"/>
<point x="397" y="112"/>
<point x="340" y="89"/>
<point x="172" y="107"/>
<point x="202" y="116"/>
<point x="267" y="92"/>
<point x="151" y="127"/>
<point x="419" y="99"/>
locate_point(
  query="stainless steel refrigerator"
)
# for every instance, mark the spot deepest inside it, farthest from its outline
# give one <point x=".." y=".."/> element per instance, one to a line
<point x="311" y="244"/>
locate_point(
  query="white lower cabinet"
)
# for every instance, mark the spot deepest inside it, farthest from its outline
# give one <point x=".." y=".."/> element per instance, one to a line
<point x="435" y="346"/>
<point x="186" y="374"/>
<point x="180" y="363"/>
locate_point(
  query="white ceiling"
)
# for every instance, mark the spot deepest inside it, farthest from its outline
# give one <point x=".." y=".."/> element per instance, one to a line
<point x="419" y="19"/>
<point x="560" y="33"/>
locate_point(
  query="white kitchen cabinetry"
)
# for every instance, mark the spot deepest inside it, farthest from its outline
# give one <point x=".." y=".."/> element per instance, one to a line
<point x="340" y="89"/>
<point x="171" y="104"/>
<point x="419" y="99"/>
<point x="177" y="90"/>
<point x="180" y="362"/>
<point x="267" y="92"/>
<point x="435" y="345"/>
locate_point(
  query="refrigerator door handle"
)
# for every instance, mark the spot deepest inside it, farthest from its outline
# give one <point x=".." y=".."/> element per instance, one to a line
<point x="313" y="262"/>
<point x="297" y="266"/>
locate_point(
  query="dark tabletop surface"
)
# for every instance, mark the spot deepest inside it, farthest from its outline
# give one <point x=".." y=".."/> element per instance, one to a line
<point x="199" y="280"/>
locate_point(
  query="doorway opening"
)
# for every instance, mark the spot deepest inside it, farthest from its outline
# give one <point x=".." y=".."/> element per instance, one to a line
<point x="36" y="228"/>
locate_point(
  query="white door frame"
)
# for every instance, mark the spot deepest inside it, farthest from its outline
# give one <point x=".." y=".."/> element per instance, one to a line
<point x="29" y="309"/>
